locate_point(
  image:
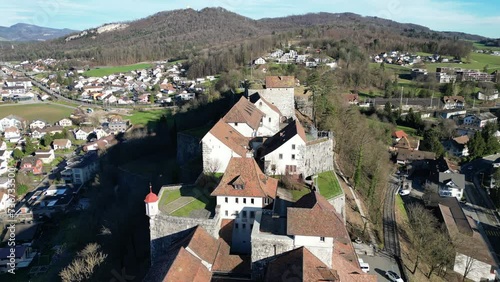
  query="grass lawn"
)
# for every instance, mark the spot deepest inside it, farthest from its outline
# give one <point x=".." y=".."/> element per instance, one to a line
<point x="408" y="130"/>
<point x="207" y="203"/>
<point x="328" y="185"/>
<point x="144" y="117"/>
<point x="103" y="71"/>
<point x="169" y="196"/>
<point x="47" y="112"/>
<point x="297" y="194"/>
<point x="401" y="207"/>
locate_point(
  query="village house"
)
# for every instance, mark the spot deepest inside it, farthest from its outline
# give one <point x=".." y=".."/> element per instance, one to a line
<point x="242" y="191"/>
<point x="12" y="121"/>
<point x="453" y="102"/>
<point x="472" y="251"/>
<point x="284" y="153"/>
<point x="31" y="164"/>
<point x="351" y="99"/>
<point x="61" y="144"/>
<point x="3" y="146"/>
<point x="13" y="134"/>
<point x="101" y="144"/>
<point x="82" y="133"/>
<point x="220" y="144"/>
<point x="458" y="146"/>
<point x="259" y="61"/>
<point x="407" y="142"/>
<point x="45" y="156"/>
<point x="405" y="156"/>
<point x="81" y="169"/>
<point x="118" y="126"/>
<point x="480" y="120"/>
<point x="487" y="97"/>
<point x="448" y="114"/>
<point x="100" y="133"/>
<point x="451" y="185"/>
<point x="65" y="122"/>
<point x="38" y="124"/>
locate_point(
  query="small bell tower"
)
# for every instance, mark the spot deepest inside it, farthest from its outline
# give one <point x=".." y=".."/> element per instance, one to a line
<point x="151" y="203"/>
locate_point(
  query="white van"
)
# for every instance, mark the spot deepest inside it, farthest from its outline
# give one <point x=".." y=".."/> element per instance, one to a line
<point x="365" y="267"/>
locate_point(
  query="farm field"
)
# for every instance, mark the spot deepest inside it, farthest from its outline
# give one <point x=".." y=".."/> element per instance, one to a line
<point x="103" y="71"/>
<point x="145" y="117"/>
<point x="478" y="62"/>
<point x="47" y="112"/>
<point x="480" y="46"/>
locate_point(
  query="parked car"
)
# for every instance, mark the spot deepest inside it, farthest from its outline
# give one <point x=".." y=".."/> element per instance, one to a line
<point x="393" y="276"/>
<point x="404" y="192"/>
<point x="365" y="267"/>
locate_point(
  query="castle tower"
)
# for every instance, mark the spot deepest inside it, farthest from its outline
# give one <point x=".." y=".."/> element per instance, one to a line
<point x="151" y="201"/>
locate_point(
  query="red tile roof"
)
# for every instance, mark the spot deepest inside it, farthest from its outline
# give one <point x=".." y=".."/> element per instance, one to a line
<point x="462" y="140"/>
<point x="299" y="265"/>
<point x="203" y="244"/>
<point x="228" y="263"/>
<point x="351" y="97"/>
<point x="280" y="81"/>
<point x="230" y="137"/>
<point x="326" y="223"/>
<point x="244" y="112"/>
<point x="399" y="134"/>
<point x="246" y="170"/>
<point x="186" y="267"/>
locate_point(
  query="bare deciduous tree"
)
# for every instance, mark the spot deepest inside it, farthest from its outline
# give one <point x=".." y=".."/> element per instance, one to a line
<point x="82" y="267"/>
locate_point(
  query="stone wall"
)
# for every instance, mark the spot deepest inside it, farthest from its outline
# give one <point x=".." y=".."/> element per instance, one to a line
<point x="166" y="229"/>
<point x="338" y="203"/>
<point x="283" y="98"/>
<point x="319" y="156"/>
<point x="305" y="106"/>
<point x="188" y="148"/>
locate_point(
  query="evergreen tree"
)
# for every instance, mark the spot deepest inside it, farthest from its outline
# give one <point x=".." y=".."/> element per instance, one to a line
<point x="29" y="147"/>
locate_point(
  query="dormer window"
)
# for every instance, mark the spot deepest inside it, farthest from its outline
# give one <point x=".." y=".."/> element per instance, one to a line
<point x="238" y="183"/>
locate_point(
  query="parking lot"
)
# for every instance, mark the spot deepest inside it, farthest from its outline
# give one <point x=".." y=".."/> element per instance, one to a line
<point x="379" y="264"/>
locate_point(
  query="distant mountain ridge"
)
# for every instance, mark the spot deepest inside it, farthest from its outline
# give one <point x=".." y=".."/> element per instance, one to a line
<point x="181" y="33"/>
<point x="28" y="32"/>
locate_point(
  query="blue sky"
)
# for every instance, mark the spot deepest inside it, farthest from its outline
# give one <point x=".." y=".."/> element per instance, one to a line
<point x="471" y="16"/>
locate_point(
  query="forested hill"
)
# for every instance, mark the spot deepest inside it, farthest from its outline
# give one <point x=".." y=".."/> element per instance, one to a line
<point x="182" y="33"/>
